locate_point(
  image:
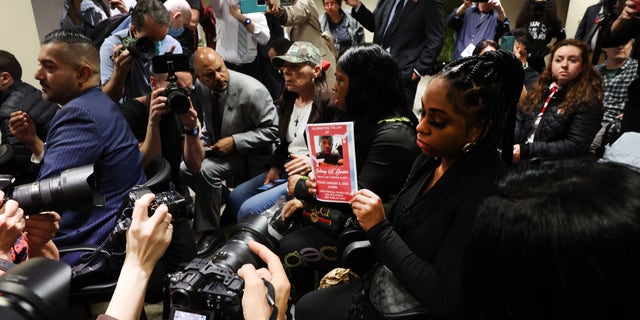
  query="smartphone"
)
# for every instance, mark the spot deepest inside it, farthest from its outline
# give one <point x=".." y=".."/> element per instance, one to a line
<point x="506" y="43"/>
<point x="271" y="184"/>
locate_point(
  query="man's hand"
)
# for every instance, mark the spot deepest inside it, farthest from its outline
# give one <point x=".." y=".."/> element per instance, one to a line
<point x="40" y="229"/>
<point x="23" y="128"/>
<point x="224" y="145"/>
<point x="122" y="61"/>
<point x="11" y="226"/>
<point x="120" y="5"/>
<point x="189" y="119"/>
<point x="158" y="107"/>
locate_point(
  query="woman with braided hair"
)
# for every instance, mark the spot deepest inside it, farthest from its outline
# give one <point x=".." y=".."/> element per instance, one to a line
<point x="420" y="241"/>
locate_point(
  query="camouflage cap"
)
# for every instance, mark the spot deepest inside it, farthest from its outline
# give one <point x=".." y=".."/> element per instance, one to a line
<point x="299" y="52"/>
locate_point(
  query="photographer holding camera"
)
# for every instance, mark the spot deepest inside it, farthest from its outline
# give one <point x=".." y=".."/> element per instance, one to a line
<point x="125" y="56"/>
<point x="165" y="124"/>
<point x="23" y="237"/>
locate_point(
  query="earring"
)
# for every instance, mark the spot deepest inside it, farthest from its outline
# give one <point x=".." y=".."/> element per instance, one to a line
<point x="468" y="147"/>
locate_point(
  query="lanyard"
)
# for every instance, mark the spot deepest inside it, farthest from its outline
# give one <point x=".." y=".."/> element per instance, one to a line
<point x="553" y="88"/>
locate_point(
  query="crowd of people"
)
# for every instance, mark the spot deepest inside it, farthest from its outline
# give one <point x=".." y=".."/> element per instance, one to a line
<point x="504" y="198"/>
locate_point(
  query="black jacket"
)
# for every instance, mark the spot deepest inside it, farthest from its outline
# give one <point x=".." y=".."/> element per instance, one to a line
<point x="23" y="96"/>
<point x="423" y="241"/>
<point x="560" y="134"/>
<point x="416" y="40"/>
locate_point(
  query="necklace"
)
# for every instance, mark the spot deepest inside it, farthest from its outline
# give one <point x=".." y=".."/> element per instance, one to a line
<point x="299" y="115"/>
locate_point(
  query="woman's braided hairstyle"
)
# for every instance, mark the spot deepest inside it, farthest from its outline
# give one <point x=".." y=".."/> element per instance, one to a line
<point x="487" y="88"/>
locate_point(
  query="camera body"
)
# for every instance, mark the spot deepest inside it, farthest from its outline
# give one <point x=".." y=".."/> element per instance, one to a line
<point x="210" y="288"/>
<point x="213" y="291"/>
<point x="177" y="96"/>
<point x="172" y="199"/>
<point x="140" y="48"/>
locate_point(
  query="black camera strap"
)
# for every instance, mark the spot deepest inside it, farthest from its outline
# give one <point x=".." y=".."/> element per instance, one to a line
<point x="271" y="299"/>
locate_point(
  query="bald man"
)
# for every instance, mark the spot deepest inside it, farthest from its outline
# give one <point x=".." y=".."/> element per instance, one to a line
<point x="88" y="129"/>
<point x="241" y="126"/>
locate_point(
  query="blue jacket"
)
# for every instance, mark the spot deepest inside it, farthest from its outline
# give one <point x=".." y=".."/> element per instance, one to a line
<point x="91" y="129"/>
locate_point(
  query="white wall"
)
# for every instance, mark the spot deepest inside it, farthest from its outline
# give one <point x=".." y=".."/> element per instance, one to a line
<point x="20" y="34"/>
<point x="576" y="11"/>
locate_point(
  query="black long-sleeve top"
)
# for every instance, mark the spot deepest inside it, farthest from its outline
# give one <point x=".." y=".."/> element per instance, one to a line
<point x="424" y="241"/>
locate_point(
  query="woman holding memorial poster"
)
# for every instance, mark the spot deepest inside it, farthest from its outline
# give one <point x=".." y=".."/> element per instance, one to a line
<point x="369" y="93"/>
<point x="420" y="241"/>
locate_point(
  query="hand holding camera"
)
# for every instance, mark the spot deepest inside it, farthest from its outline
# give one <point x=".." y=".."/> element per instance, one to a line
<point x="254" y="305"/>
<point x="158" y="106"/>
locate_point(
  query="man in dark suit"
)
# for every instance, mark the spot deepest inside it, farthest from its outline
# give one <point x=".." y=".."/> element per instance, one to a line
<point x="88" y="129"/>
<point x="412" y="31"/>
<point x="241" y="125"/>
<point x="588" y="24"/>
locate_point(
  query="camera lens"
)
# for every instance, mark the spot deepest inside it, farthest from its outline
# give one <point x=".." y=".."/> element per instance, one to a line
<point x="143" y="48"/>
<point x="73" y="189"/>
<point x="178" y="101"/>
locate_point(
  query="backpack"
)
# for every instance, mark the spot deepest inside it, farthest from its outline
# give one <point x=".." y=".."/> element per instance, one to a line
<point x="104" y="28"/>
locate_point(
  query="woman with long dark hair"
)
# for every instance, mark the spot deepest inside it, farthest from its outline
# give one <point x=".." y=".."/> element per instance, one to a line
<point x="369" y="92"/>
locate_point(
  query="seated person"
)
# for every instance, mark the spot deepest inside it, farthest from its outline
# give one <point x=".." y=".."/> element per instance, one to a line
<point x="384" y="131"/>
<point x="327" y="154"/>
<point x="306" y="100"/>
<point x="20" y="105"/>
<point x="419" y="242"/>
<point x="560" y="117"/>
<point x="557" y="241"/>
<point x="23" y="237"/>
<point x="88" y="129"/>
<point x="241" y="124"/>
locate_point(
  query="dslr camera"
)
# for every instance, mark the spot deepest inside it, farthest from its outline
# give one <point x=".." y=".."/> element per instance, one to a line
<point x="210" y="288"/>
<point x="73" y="189"/>
<point x="172" y="199"/>
<point x="177" y="96"/>
<point x="140" y="48"/>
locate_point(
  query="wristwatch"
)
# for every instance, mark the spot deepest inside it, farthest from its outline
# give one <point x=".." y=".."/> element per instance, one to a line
<point x="191" y="132"/>
<point x="5" y="265"/>
<point x="247" y="22"/>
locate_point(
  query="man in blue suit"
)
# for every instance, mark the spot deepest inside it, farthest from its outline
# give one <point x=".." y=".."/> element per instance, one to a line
<point x="88" y="129"/>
